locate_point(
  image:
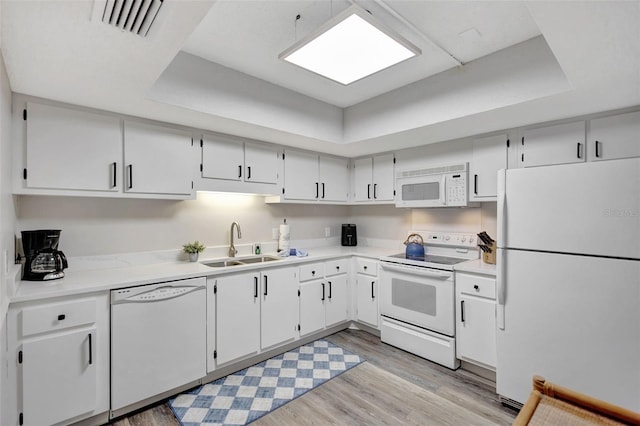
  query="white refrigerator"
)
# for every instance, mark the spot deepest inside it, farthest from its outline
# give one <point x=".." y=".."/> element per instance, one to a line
<point x="568" y="277"/>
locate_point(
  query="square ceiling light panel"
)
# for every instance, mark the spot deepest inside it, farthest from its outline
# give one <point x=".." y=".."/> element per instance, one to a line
<point x="350" y="46"/>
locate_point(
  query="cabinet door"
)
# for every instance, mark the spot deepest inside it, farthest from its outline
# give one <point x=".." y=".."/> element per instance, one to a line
<point x="158" y="160"/>
<point x="615" y="137"/>
<point x="222" y="159"/>
<point x="59" y="377"/>
<point x="336" y="305"/>
<point x="367" y="304"/>
<point x="383" y="178"/>
<point x="261" y="164"/>
<point x="489" y="156"/>
<point x="560" y="144"/>
<point x="362" y="179"/>
<point x="237" y="316"/>
<point x="74" y="150"/>
<point x="211" y="325"/>
<point x="312" y="300"/>
<point x="301" y="176"/>
<point x="334" y="179"/>
<point x="279" y="306"/>
<point x="476" y="330"/>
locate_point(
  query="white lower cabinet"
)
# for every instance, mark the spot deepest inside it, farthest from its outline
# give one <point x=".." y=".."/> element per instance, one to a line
<point x="337" y="300"/>
<point x="59" y="361"/>
<point x="279" y="319"/>
<point x="312" y="310"/>
<point x="367" y="310"/>
<point x="476" y="319"/>
<point x="237" y="317"/>
<point x="324" y="295"/>
<point x="248" y="312"/>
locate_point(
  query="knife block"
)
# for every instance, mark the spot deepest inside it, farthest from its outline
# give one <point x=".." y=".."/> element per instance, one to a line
<point x="490" y="257"/>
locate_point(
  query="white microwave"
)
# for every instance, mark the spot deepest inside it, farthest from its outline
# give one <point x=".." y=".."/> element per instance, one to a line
<point x="441" y="186"/>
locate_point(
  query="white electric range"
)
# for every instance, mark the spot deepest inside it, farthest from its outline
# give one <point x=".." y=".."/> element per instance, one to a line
<point x="417" y="296"/>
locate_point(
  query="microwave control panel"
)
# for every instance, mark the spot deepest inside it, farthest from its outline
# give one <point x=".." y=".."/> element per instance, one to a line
<point x="456" y="187"/>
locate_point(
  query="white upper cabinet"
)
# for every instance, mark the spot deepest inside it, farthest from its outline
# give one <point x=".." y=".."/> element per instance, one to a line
<point x="560" y="144"/>
<point x="82" y="153"/>
<point x="233" y="160"/>
<point x="333" y="179"/>
<point x="261" y="163"/>
<point x="312" y="177"/>
<point x="489" y="156"/>
<point x="72" y="150"/>
<point x="222" y="159"/>
<point x="373" y="179"/>
<point x="300" y="175"/>
<point x="158" y="160"/>
<point x="614" y="137"/>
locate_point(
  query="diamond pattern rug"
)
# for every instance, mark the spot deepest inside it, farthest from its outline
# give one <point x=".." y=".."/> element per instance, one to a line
<point x="249" y="394"/>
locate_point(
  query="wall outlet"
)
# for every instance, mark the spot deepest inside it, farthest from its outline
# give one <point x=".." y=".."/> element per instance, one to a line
<point x="327" y="232"/>
<point x="274" y="233"/>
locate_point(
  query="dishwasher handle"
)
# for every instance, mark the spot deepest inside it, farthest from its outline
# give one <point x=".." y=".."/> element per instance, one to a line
<point x="158" y="294"/>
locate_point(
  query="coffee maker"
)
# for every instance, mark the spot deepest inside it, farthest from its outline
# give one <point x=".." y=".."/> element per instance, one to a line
<point x="43" y="260"/>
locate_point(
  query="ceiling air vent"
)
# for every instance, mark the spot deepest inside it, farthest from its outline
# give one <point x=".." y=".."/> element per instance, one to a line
<point x="133" y="16"/>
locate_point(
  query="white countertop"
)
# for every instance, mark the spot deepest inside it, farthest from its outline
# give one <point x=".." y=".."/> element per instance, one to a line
<point x="95" y="280"/>
<point x="476" y="266"/>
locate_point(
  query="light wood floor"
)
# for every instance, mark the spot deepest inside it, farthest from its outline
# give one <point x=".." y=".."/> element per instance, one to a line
<point x="392" y="387"/>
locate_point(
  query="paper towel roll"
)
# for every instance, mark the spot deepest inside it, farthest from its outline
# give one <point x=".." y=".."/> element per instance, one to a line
<point x="283" y="239"/>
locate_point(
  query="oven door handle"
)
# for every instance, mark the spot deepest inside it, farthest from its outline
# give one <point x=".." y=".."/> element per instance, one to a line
<point x="425" y="272"/>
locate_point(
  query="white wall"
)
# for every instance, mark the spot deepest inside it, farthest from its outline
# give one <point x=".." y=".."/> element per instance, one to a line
<point x="97" y="226"/>
<point x="94" y="226"/>
<point x="7" y="214"/>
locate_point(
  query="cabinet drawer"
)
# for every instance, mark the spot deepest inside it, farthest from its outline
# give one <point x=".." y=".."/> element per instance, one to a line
<point x="57" y="316"/>
<point x="367" y="266"/>
<point x="335" y="267"/>
<point x="476" y="285"/>
<point x="311" y="271"/>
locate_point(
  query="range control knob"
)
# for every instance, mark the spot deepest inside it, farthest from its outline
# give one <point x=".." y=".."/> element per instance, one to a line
<point x="447" y="237"/>
<point x="463" y="239"/>
<point x="470" y="239"/>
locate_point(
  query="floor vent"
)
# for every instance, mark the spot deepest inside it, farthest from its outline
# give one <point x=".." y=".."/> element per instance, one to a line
<point x="132" y="16"/>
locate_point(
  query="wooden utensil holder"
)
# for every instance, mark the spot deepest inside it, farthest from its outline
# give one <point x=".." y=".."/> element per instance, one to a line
<point x="490" y="257"/>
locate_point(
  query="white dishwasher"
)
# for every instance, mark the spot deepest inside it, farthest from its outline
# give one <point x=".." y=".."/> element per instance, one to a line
<point x="158" y="339"/>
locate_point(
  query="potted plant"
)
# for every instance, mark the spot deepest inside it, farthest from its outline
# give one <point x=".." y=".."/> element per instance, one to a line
<point x="193" y="249"/>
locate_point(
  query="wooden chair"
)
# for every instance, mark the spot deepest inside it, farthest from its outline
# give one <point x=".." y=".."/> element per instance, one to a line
<point x="550" y="404"/>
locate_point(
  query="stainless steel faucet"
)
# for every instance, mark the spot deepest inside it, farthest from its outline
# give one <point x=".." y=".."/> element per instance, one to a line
<point x="232" y="248"/>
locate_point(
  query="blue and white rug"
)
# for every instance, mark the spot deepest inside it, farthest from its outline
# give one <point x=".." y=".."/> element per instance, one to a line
<point x="247" y="395"/>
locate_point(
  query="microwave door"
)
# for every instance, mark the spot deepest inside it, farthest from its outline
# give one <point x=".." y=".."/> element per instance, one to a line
<point x="423" y="191"/>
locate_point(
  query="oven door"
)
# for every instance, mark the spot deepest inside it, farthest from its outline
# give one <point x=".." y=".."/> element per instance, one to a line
<point x="421" y="191"/>
<point x="420" y="296"/>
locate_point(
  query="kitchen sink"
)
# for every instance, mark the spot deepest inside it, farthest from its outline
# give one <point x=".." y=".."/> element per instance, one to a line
<point x="240" y="261"/>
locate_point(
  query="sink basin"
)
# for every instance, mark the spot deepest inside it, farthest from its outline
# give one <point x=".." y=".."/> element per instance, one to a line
<point x="239" y="261"/>
<point x="222" y="263"/>
<point x="258" y="259"/>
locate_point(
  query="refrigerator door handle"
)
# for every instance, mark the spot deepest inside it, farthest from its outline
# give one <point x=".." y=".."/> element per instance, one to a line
<point x="500" y="284"/>
<point x="502" y="207"/>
